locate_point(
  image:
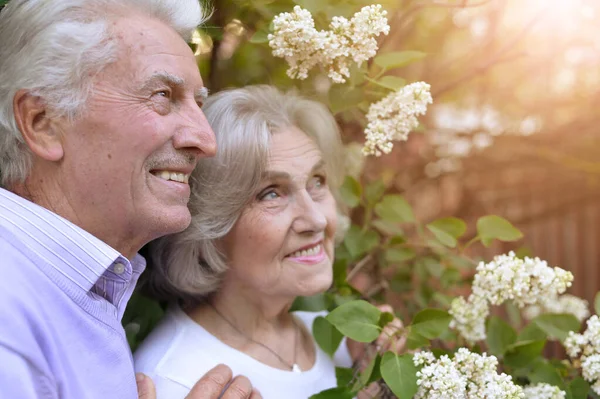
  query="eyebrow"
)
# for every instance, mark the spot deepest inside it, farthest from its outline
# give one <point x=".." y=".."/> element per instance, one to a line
<point x="200" y="94"/>
<point x="275" y="175"/>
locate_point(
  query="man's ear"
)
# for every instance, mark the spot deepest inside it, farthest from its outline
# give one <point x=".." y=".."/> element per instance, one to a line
<point x="38" y="130"/>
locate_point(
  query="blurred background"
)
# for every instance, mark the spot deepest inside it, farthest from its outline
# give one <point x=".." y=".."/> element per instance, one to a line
<point x="513" y="130"/>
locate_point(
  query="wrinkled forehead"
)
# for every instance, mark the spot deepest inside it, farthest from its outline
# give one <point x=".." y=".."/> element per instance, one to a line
<point x="293" y="152"/>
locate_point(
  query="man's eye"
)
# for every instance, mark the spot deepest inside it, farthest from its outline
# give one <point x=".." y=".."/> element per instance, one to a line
<point x="163" y="93"/>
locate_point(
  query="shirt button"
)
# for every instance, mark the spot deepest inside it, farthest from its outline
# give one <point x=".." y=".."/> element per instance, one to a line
<point x="119" y="268"/>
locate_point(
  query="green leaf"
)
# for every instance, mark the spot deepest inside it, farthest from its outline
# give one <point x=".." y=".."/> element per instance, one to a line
<point x="385" y="318"/>
<point x="398" y="255"/>
<point x="315" y="303"/>
<point x="326" y="335"/>
<point x="394" y="208"/>
<point x="579" y="388"/>
<point x="334" y="393"/>
<point x="557" y="325"/>
<point x="376" y="373"/>
<point x="392" y="82"/>
<point x="415" y="340"/>
<point x="400" y="374"/>
<point x="340" y="272"/>
<point x="365" y="375"/>
<point x="397" y="59"/>
<point x="443" y="237"/>
<point x="597" y="303"/>
<point x="344" y="376"/>
<point x="358" y="242"/>
<point x="433" y="266"/>
<point x="521" y="354"/>
<point x="494" y="227"/>
<point x="357" y="320"/>
<point x="542" y="371"/>
<point x="448" y="230"/>
<point x="387" y="227"/>
<point x="450" y="277"/>
<point x="351" y="191"/>
<point x="500" y="335"/>
<point x="531" y="332"/>
<point x="431" y="323"/>
<point x="374" y="191"/>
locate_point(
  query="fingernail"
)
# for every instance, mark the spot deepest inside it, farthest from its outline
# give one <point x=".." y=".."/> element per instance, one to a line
<point x="139" y="377"/>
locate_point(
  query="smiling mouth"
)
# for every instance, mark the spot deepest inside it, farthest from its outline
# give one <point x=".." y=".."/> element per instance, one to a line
<point x="171" y="176"/>
<point x="312" y="251"/>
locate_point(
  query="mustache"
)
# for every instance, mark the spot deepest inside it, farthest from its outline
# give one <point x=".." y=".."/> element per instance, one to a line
<point x="180" y="160"/>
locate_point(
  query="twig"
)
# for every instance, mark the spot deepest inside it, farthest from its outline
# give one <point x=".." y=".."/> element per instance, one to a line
<point x="361" y="264"/>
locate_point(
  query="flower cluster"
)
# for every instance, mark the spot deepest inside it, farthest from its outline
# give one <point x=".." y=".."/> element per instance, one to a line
<point x="467" y="375"/>
<point x="543" y="391"/>
<point x="506" y="277"/>
<point x="586" y="346"/>
<point x="296" y="39"/>
<point x="566" y="303"/>
<point x="393" y="117"/>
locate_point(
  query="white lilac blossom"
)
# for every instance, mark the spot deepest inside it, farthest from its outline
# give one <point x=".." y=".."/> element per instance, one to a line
<point x="466" y="376"/>
<point x="523" y="281"/>
<point x="586" y="346"/>
<point x="468" y="317"/>
<point x="296" y="39"/>
<point x="394" y="117"/>
<point x="543" y="391"/>
<point x="566" y="303"/>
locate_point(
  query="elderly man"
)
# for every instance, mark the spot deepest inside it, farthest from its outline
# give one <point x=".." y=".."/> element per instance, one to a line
<point x="100" y="128"/>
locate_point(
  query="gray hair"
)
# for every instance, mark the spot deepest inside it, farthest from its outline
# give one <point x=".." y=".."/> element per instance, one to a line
<point x="53" y="49"/>
<point x="188" y="266"/>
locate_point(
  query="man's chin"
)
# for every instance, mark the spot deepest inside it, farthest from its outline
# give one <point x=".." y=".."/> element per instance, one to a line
<point x="172" y="222"/>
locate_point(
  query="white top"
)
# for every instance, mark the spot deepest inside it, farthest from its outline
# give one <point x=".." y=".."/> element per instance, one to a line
<point x="179" y="351"/>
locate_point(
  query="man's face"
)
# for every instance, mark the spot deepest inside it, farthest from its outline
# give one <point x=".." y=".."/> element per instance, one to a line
<point x="127" y="160"/>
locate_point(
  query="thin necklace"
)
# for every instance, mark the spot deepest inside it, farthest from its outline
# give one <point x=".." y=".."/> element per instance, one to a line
<point x="293" y="367"/>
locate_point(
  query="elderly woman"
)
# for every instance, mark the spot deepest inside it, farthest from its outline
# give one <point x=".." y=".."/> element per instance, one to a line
<point x="262" y="233"/>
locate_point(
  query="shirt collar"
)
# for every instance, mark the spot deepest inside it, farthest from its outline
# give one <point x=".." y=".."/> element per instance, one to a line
<point x="73" y="252"/>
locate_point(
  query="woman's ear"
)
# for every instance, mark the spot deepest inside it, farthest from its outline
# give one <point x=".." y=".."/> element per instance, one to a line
<point x="38" y="130"/>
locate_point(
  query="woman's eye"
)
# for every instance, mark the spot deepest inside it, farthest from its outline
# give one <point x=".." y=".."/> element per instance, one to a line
<point x="318" y="181"/>
<point x="269" y="195"/>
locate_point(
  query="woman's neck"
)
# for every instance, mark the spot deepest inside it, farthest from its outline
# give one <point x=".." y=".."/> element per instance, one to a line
<point x="256" y="315"/>
<point x="249" y="323"/>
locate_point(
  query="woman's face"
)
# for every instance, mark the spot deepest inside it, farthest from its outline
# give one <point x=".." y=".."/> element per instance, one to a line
<point x="282" y="245"/>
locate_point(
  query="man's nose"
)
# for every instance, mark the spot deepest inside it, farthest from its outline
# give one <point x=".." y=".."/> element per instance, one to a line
<point x="196" y="135"/>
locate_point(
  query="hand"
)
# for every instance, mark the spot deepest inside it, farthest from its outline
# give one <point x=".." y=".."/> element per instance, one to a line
<point x="388" y="340"/>
<point x="211" y="386"/>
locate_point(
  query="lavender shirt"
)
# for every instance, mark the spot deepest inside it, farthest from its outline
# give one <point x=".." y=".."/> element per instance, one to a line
<point x="62" y="296"/>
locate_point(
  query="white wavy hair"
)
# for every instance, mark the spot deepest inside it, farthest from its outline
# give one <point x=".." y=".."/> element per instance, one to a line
<point x="53" y="49"/>
<point x="189" y="266"/>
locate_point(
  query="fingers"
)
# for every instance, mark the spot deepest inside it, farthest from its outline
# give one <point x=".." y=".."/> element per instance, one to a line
<point x="369" y="392"/>
<point x="217" y="384"/>
<point x="388" y="340"/>
<point x="145" y="387"/>
<point x="240" y="388"/>
<point x="256" y="395"/>
<point x="211" y="384"/>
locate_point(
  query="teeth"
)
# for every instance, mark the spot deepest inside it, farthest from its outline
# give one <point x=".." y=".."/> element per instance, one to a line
<point x="307" y="252"/>
<point x="174" y="176"/>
